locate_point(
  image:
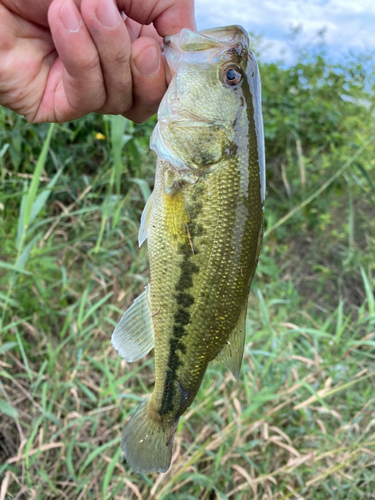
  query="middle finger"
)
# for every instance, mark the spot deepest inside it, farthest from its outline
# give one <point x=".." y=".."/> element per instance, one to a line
<point x="108" y="31"/>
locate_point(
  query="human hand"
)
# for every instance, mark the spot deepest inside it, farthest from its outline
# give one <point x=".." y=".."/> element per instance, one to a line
<point x="62" y="59"/>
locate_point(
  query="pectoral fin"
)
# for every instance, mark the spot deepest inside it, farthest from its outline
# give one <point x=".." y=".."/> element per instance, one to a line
<point x="232" y="353"/>
<point x="133" y="337"/>
<point x="145" y="219"/>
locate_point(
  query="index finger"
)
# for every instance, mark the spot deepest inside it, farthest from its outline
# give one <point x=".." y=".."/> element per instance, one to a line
<point x="168" y="16"/>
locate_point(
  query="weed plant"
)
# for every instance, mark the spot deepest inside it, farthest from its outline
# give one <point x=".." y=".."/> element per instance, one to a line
<point x="300" y="421"/>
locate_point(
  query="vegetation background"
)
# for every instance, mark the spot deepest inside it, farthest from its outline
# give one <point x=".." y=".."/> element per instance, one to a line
<point x="300" y="421"/>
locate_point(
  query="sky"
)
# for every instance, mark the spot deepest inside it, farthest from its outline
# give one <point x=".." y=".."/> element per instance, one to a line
<point x="349" y="24"/>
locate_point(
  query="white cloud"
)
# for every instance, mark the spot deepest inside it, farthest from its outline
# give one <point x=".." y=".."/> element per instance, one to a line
<point x="349" y="24"/>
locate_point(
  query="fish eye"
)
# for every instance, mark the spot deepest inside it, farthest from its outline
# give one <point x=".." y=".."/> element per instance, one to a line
<point x="232" y="76"/>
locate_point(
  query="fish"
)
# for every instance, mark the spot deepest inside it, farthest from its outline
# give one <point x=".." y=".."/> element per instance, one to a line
<point x="204" y="224"/>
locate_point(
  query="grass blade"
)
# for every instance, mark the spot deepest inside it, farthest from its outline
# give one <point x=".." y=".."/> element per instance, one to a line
<point x="21" y="217"/>
<point x="144" y="187"/>
<point x="96" y="306"/>
<point x="118" y="126"/>
<point x="7" y="346"/>
<point x="97" y="452"/>
<point x="23" y="353"/>
<point x="25" y="254"/>
<point x="10" y="267"/>
<point x="109" y="472"/>
<point x="25" y="213"/>
<point x="369" y="293"/>
<point x="8" y="409"/>
<point x="319" y="191"/>
<point x="43" y="197"/>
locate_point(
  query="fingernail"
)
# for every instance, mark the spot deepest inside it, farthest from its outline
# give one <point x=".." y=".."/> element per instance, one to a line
<point x="148" y="61"/>
<point x="107" y="13"/>
<point x="70" y="17"/>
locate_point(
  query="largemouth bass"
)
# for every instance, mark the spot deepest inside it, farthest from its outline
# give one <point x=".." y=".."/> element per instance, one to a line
<point x="204" y="224"/>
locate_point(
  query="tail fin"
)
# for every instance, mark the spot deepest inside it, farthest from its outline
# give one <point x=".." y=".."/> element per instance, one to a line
<point x="147" y="441"/>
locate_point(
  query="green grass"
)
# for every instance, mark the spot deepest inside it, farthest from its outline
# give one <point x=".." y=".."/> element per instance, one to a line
<point x="299" y="422"/>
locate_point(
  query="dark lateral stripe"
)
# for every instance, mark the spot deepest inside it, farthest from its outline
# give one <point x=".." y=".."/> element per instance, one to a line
<point x="181" y="319"/>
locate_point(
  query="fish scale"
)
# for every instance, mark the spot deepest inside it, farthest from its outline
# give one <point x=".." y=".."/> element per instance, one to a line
<point x="206" y="332"/>
<point x="203" y="225"/>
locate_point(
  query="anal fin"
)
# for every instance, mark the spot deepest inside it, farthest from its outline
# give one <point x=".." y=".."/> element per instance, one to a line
<point x="232" y="353"/>
<point x="133" y="336"/>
